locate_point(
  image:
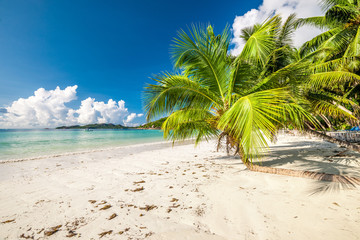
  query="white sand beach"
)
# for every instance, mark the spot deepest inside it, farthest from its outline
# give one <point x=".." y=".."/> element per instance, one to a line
<point x="155" y="191"/>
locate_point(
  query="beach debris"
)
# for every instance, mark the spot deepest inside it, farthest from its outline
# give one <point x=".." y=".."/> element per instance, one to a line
<point x="40" y="201"/>
<point x="90" y="188"/>
<point x="71" y="234"/>
<point x="142" y="181"/>
<point x="141" y="215"/>
<point x="138" y="189"/>
<point x="199" y="211"/>
<point x="26" y="237"/>
<point x="40" y="230"/>
<point x="149" y="234"/>
<point x="169" y="210"/>
<point x="171" y="187"/>
<point x="8" y="221"/>
<point x="174" y="200"/>
<point x="52" y="230"/>
<point x="114" y="215"/>
<point x="106" y="207"/>
<point x="71" y="227"/>
<point x="335" y="203"/>
<point x="148" y="207"/>
<point x="92" y="201"/>
<point x="125" y="230"/>
<point x="105" y="233"/>
<point x="174" y="206"/>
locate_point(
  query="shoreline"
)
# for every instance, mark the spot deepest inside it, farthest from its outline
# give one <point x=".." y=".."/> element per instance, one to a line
<point x="18" y="146"/>
<point x="159" y="192"/>
<point x="73" y="153"/>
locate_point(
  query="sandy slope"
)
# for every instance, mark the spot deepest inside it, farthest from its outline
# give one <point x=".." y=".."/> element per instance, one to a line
<point x="159" y="192"/>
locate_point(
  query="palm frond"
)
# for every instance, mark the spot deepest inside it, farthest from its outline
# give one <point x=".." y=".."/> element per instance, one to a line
<point x="320" y="22"/>
<point x="354" y="47"/>
<point x="252" y="120"/>
<point x="173" y="92"/>
<point x="244" y="76"/>
<point x="341" y="13"/>
<point x="261" y="42"/>
<point x="286" y="32"/>
<point x="189" y="123"/>
<point x="327" y="4"/>
<point x="336" y="64"/>
<point x="332" y="79"/>
<point x="203" y="55"/>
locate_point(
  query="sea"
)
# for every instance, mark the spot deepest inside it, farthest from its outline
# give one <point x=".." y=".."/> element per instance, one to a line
<point x="18" y="144"/>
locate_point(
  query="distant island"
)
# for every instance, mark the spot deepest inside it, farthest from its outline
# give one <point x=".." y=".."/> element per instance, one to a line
<point x="95" y="126"/>
<point x="151" y="125"/>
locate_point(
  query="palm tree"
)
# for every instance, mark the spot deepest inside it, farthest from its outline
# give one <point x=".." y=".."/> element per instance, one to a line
<point x="244" y="100"/>
<point x="333" y="86"/>
<point x="342" y="24"/>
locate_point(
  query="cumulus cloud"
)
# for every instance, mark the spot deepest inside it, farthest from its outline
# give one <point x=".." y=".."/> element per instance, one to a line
<point x="48" y="109"/>
<point x="302" y="8"/>
<point x="131" y="117"/>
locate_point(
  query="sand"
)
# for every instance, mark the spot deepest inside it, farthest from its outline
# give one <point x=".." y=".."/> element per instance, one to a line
<point x="155" y="191"/>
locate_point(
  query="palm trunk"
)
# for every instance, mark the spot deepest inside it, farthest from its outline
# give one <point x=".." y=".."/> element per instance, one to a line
<point x="305" y="174"/>
<point x="328" y="123"/>
<point x="351" y="146"/>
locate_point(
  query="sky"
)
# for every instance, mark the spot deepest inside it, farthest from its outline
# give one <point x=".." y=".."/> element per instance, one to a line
<point x="66" y="62"/>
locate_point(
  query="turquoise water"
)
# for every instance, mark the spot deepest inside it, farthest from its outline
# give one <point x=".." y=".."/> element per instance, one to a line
<point x="18" y="144"/>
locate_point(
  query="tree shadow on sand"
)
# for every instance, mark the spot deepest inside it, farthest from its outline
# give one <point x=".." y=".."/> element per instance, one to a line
<point x="335" y="168"/>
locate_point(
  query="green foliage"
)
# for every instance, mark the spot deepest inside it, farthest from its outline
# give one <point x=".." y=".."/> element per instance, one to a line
<point x="245" y="98"/>
<point x="155" y="124"/>
<point x="270" y="85"/>
<point x="334" y="55"/>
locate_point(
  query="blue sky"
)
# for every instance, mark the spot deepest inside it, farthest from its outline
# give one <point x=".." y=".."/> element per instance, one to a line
<point x="109" y="49"/>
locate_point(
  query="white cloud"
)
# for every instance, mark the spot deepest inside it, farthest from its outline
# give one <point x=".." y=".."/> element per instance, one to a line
<point x="130" y="118"/>
<point x="302" y="8"/>
<point x="48" y="109"/>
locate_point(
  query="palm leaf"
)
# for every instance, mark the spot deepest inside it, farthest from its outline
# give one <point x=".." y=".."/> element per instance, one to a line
<point x="252" y="120"/>
<point x="188" y="123"/>
<point x="203" y="55"/>
<point x="332" y="79"/>
<point x="173" y="92"/>
<point x="261" y="42"/>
